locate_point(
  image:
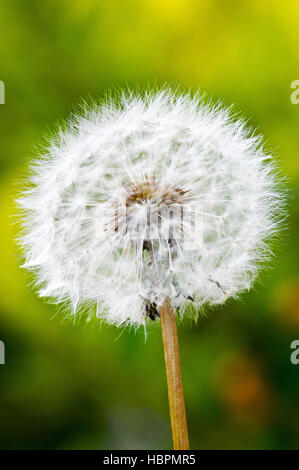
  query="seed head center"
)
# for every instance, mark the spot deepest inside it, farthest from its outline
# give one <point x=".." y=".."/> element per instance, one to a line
<point x="149" y="190"/>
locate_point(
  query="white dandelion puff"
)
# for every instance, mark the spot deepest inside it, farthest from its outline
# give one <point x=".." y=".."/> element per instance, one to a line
<point x="150" y="197"/>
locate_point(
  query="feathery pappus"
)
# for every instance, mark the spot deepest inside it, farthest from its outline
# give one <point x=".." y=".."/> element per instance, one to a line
<point x="145" y="197"/>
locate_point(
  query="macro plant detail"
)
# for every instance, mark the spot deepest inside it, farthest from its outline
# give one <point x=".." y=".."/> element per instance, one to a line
<point x="151" y="206"/>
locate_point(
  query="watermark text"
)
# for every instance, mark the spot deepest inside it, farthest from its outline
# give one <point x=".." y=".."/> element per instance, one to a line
<point x="295" y="94"/>
<point x="2" y="92"/>
<point x="294" y="358"/>
<point x="2" y="353"/>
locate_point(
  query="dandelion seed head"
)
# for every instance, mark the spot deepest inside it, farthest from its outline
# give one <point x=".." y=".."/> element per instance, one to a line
<point x="151" y="196"/>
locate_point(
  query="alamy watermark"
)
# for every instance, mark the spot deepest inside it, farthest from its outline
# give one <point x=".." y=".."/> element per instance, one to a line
<point x="157" y="222"/>
<point x="294" y="358"/>
<point x="295" y="94"/>
<point x="2" y="92"/>
<point x="2" y="353"/>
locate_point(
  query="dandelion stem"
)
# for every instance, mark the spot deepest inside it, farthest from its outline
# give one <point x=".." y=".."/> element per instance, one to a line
<point x="174" y="377"/>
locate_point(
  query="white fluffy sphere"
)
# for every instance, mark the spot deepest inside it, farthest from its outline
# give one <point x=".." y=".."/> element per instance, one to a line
<point x="153" y="196"/>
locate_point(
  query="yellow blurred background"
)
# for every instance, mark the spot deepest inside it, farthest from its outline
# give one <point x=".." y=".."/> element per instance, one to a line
<point x="70" y="386"/>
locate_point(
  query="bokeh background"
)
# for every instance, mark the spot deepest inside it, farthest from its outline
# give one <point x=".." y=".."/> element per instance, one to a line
<point x="66" y="386"/>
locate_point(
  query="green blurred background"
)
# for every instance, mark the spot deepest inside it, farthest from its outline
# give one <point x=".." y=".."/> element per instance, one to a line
<point x="68" y="387"/>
